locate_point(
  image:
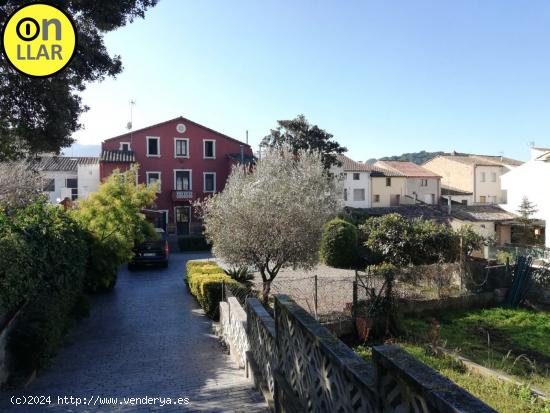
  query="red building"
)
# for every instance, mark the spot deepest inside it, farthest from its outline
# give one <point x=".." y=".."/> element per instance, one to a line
<point x="191" y="162"/>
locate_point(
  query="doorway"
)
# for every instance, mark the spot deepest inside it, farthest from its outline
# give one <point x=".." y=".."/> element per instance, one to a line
<point x="183" y="219"/>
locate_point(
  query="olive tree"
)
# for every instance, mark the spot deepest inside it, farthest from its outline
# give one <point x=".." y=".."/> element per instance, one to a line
<point x="20" y="185"/>
<point x="271" y="216"/>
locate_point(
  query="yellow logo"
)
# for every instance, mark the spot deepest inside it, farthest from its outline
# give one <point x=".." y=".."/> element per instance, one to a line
<point x="39" y="39"/>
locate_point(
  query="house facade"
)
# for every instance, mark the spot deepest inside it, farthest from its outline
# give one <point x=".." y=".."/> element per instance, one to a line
<point x="67" y="176"/>
<point x="475" y="178"/>
<point x="190" y="162"/>
<point x="531" y="180"/>
<point x="420" y="184"/>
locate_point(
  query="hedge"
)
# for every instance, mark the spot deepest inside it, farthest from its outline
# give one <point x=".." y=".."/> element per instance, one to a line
<point x="204" y="279"/>
<point x="43" y="255"/>
<point x="193" y="243"/>
<point x="339" y="244"/>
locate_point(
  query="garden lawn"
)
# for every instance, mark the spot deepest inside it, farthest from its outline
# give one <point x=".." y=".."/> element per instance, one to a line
<point x="503" y="397"/>
<point x="515" y="341"/>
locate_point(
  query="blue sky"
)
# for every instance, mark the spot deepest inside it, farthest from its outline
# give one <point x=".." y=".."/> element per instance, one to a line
<point x="384" y="77"/>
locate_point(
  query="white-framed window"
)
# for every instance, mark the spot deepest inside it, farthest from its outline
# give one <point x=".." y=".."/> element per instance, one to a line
<point x="388" y="181"/>
<point x="423" y="182"/>
<point x="493" y="176"/>
<point x="72" y="183"/>
<point x="181" y="147"/>
<point x="125" y="146"/>
<point x="209" y="148"/>
<point x="153" y="146"/>
<point x="345" y="194"/>
<point x="183" y="180"/>
<point x="209" y="182"/>
<point x="376" y="198"/>
<point x="154" y="176"/>
<point x="356" y="176"/>
<point x="483" y="178"/>
<point x="359" y="194"/>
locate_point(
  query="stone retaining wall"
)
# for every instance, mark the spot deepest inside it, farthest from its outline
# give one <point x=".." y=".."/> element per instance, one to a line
<point x="300" y="366"/>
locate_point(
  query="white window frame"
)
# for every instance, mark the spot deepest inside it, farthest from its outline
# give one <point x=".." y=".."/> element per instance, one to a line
<point x="364" y="194"/>
<point x="124" y="143"/>
<point x="424" y="182"/>
<point x="376" y="199"/>
<point x="190" y="180"/>
<point x="167" y="216"/>
<point x="204" y="148"/>
<point x="190" y="215"/>
<point x="175" y="153"/>
<point x="159" y="180"/>
<point x="204" y="182"/>
<point x="147" y="139"/>
<point x="358" y="176"/>
<point x="483" y="177"/>
<point x="493" y="176"/>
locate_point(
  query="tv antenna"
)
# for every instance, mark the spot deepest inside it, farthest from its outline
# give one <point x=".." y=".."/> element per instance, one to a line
<point x="130" y="124"/>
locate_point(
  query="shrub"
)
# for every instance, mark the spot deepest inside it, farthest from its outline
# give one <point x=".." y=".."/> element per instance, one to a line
<point x="193" y="243"/>
<point x="339" y="244"/>
<point x="240" y="274"/>
<point x="204" y="280"/>
<point x="42" y="276"/>
<point x="404" y="241"/>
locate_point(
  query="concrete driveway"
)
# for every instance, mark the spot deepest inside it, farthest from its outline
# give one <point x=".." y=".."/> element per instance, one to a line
<point x="147" y="339"/>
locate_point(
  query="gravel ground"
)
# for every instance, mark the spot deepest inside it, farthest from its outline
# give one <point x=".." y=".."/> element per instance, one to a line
<point x="334" y="288"/>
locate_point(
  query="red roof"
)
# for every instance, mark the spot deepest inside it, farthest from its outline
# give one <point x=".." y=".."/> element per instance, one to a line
<point x="408" y="169"/>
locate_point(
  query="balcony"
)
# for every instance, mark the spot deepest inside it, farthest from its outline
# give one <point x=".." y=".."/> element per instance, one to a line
<point x="183" y="195"/>
<point x="186" y="195"/>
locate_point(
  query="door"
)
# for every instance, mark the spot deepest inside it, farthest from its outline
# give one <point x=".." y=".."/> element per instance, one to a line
<point x="183" y="218"/>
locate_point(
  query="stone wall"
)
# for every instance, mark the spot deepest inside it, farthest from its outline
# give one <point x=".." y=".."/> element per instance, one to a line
<point x="300" y="366"/>
<point x="233" y="327"/>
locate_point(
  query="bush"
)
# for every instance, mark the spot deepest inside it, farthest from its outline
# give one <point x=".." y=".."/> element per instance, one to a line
<point x="339" y="244"/>
<point x="42" y="268"/>
<point x="240" y="274"/>
<point x="402" y="241"/>
<point x="193" y="243"/>
<point x="204" y="280"/>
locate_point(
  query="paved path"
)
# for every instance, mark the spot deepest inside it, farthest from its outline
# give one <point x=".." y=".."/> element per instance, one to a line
<point x="145" y="339"/>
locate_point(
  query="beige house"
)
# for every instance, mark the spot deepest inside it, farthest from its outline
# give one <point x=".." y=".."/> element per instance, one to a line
<point x="415" y="183"/>
<point x="472" y="179"/>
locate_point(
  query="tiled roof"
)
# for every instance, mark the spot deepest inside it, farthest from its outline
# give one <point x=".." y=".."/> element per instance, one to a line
<point x="407" y="211"/>
<point x="445" y="190"/>
<point x="117" y="156"/>
<point x="408" y="169"/>
<point x="482" y="213"/>
<point x="61" y="163"/>
<point x="349" y="165"/>
<point x="482" y="160"/>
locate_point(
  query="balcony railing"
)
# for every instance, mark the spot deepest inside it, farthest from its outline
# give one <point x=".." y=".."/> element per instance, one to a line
<point x="183" y="195"/>
<point x="186" y="195"/>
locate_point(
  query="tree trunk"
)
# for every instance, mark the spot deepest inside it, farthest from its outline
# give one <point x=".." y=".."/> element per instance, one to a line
<point x="265" y="291"/>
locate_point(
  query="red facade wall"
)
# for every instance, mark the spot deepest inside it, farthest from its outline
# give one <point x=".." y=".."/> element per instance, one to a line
<point x="167" y="162"/>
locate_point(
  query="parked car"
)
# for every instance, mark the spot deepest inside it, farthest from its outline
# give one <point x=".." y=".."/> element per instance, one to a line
<point x="152" y="251"/>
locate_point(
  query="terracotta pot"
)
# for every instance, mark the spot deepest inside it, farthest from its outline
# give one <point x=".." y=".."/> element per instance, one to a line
<point x="363" y="326"/>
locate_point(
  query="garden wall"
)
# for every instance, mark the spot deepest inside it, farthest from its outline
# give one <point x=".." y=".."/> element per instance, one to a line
<point x="300" y="366"/>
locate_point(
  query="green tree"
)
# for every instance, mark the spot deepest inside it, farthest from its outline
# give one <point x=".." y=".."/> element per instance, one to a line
<point x="526" y="211"/>
<point x="113" y="218"/>
<point x="402" y="241"/>
<point x="300" y="135"/>
<point x="40" y="115"/>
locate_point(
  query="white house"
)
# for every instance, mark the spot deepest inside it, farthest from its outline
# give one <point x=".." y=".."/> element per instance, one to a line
<point x="67" y="176"/>
<point x="531" y="180"/>
<point x="357" y="182"/>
